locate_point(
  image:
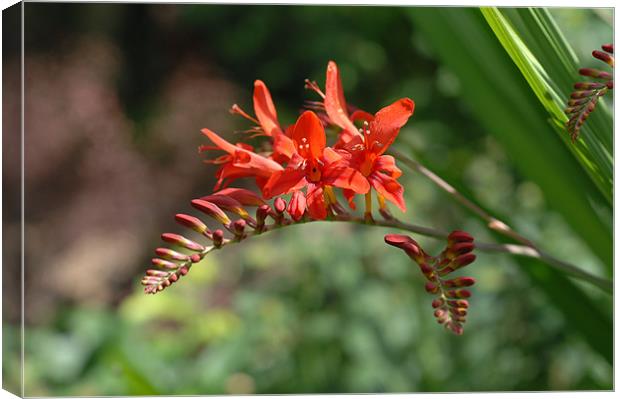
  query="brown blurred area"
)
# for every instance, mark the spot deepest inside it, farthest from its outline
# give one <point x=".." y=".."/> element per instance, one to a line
<point x="94" y="192"/>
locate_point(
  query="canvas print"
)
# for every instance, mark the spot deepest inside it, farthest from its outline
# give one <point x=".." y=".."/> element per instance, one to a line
<point x="294" y="199"/>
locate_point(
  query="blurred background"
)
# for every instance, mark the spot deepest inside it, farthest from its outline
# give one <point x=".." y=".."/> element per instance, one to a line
<point x="115" y="98"/>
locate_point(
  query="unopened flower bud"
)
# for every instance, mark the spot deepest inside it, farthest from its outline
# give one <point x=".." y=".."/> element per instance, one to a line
<point x="212" y="210"/>
<point x="603" y="57"/>
<point x="227" y="203"/>
<point x="167" y="253"/>
<point x="588" y="85"/>
<point x="455" y="328"/>
<point x="261" y="215"/>
<point x="297" y="205"/>
<point x="459" y="312"/>
<point x="460" y="248"/>
<point x="150" y="280"/>
<point x="460" y="236"/>
<point x="243" y="196"/>
<point x="459" y="303"/>
<point x="608" y="47"/>
<point x="437" y="302"/>
<point x="182" y="241"/>
<point x="184" y="270"/>
<point x="431" y="288"/>
<point x="280" y="205"/>
<point x="459" y="282"/>
<point x="191" y="222"/>
<point x="464" y="260"/>
<point x="238" y="227"/>
<point x="582" y="93"/>
<point x="156" y="273"/>
<point x="407" y="244"/>
<point x="595" y="73"/>
<point x="458" y="293"/>
<point x="164" y="264"/>
<point x="218" y="238"/>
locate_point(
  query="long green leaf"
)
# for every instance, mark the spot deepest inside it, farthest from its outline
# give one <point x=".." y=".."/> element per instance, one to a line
<point x="508" y="108"/>
<point x="531" y="49"/>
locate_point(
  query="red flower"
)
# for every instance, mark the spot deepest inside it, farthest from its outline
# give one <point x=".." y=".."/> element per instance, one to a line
<point x="379" y="132"/>
<point x="240" y="161"/>
<point x="316" y="167"/>
<point x="267" y="119"/>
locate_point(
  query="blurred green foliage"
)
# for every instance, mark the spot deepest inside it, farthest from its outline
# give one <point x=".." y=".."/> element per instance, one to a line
<point x="326" y="307"/>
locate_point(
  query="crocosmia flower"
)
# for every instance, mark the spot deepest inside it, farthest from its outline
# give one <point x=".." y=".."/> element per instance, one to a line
<point x="367" y="151"/>
<point x="316" y="167"/>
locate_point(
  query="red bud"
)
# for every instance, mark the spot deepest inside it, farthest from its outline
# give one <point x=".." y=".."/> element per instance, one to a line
<point x="461" y="247"/>
<point x="167" y="253"/>
<point x="437" y="302"/>
<point x="608" y="47"/>
<point x="460" y="303"/>
<point x="164" y="264"/>
<point x="595" y="73"/>
<point x="458" y="293"/>
<point x="464" y="260"/>
<point x="211" y="210"/>
<point x="182" y="241"/>
<point x="603" y="57"/>
<point x="588" y="85"/>
<point x="459" y="282"/>
<point x="431" y="288"/>
<point x="191" y="222"/>
<point x="280" y="205"/>
<point x="156" y="273"/>
<point x="460" y="236"/>
<point x="243" y="196"/>
<point x="218" y="238"/>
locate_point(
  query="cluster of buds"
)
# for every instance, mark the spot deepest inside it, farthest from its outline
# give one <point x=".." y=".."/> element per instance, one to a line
<point x="450" y="304"/>
<point x="228" y="209"/>
<point x="585" y="97"/>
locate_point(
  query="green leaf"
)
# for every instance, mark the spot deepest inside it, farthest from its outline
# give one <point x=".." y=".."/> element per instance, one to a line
<point x="542" y="55"/>
<point x="508" y="108"/>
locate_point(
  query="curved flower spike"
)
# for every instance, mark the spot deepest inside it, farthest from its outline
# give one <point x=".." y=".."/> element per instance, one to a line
<point x="450" y="306"/>
<point x="583" y="100"/>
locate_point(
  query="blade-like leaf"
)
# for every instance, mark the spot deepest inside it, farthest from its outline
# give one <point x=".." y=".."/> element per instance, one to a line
<point x="531" y="48"/>
<point x="508" y="108"/>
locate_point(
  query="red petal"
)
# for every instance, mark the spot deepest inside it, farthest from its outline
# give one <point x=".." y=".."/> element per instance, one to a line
<point x="360" y="115"/>
<point x="316" y="202"/>
<point x="309" y="136"/>
<point x="261" y="164"/>
<point x="297" y="205"/>
<point x="330" y="155"/>
<point x="387" y="123"/>
<point x="284" y="181"/>
<point x="283" y="145"/>
<point x="335" y="103"/>
<point x="265" y="110"/>
<point x="387" y="163"/>
<point x="338" y="174"/>
<point x="350" y="197"/>
<point x="389" y="188"/>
